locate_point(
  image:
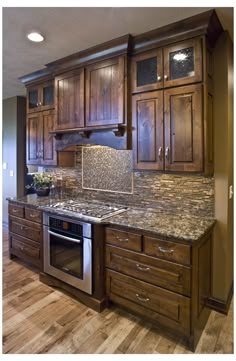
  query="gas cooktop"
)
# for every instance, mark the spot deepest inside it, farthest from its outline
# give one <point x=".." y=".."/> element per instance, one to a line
<point x="89" y="210"/>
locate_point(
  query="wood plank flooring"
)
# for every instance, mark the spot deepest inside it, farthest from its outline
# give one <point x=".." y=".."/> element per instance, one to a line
<point x="38" y="319"/>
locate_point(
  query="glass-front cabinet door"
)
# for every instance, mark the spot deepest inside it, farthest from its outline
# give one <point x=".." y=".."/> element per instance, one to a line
<point x="40" y="97"/>
<point x="32" y="99"/>
<point x="147" y="71"/>
<point x="183" y="63"/>
<point x="47" y="96"/>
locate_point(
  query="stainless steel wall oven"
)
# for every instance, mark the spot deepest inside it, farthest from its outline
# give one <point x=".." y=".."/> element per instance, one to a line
<point x="68" y="251"/>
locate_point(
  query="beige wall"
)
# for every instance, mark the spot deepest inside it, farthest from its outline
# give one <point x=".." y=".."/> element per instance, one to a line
<point x="13" y="150"/>
<point x="223" y="115"/>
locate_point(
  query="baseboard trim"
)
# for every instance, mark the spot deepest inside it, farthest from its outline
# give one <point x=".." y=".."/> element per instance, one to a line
<point x="220" y="305"/>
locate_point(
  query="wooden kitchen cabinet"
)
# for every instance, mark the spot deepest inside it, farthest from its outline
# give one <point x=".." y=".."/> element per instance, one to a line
<point x="105" y="92"/>
<point x="147" y="125"/>
<point x="183" y="123"/>
<point x="173" y="65"/>
<point x="40" y="97"/>
<point x="166" y="281"/>
<point x="40" y="143"/>
<point x="69" y="100"/>
<point x="25" y="234"/>
<point x="169" y="137"/>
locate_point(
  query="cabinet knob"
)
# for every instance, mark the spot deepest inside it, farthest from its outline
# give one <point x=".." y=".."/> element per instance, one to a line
<point x="158" y="78"/>
<point x="165" y="77"/>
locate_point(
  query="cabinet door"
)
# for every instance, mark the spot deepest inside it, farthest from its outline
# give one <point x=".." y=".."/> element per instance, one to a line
<point x="183" y="129"/>
<point x="147" y="71"/>
<point x="147" y="124"/>
<point x="48" y="154"/>
<point x="40" y="97"/>
<point x="105" y="92"/>
<point x="183" y="63"/>
<point x="33" y="99"/>
<point x="47" y="96"/>
<point x="69" y="100"/>
<point x="33" y="129"/>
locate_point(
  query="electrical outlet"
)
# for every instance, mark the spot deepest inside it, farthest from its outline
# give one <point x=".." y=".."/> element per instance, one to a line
<point x="4" y="165"/>
<point x="231" y="192"/>
<point x="11" y="173"/>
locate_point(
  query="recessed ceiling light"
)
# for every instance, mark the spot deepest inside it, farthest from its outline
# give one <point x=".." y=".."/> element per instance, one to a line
<point x="36" y="37"/>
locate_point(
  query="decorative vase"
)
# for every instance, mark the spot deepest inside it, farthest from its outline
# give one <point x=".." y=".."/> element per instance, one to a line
<point x="42" y="191"/>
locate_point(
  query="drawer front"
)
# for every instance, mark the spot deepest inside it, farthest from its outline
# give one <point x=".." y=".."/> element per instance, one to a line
<point x="23" y="250"/>
<point x="26" y="229"/>
<point x="169" y="275"/>
<point x="168" y="308"/>
<point x="169" y="251"/>
<point x="123" y="239"/>
<point x="17" y="211"/>
<point x="34" y="215"/>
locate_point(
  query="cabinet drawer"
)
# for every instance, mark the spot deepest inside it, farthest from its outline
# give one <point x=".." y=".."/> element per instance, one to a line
<point x="158" y="272"/>
<point x="20" y="247"/>
<point x="15" y="210"/>
<point x="170" y="251"/>
<point x="26" y="229"/>
<point x="124" y="239"/>
<point x="34" y="215"/>
<point x="168" y="308"/>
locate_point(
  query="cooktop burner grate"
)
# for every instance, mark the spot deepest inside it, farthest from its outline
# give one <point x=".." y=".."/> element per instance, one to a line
<point x="93" y="211"/>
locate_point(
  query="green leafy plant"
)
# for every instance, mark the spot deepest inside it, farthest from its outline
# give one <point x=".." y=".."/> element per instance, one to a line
<point x="41" y="180"/>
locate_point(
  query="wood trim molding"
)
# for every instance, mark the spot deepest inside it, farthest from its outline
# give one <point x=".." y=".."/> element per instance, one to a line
<point x="115" y="47"/>
<point x="219" y="305"/>
<point x="206" y="23"/>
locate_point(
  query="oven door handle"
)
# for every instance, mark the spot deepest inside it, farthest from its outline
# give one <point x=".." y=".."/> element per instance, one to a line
<point x="64" y="237"/>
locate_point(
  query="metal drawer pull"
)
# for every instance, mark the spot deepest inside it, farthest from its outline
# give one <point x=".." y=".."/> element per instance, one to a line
<point x="141" y="298"/>
<point x="122" y="239"/>
<point x="142" y="268"/>
<point x="14" y="210"/>
<point x="163" y="250"/>
<point x="64" y="237"/>
<point x="23" y="228"/>
<point x="33" y="215"/>
<point x="160" y="153"/>
<point x="167" y="153"/>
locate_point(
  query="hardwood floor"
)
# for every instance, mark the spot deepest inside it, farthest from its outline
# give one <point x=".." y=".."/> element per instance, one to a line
<point x="38" y="319"/>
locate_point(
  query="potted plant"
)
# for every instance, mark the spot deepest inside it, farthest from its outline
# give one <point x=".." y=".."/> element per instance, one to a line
<point x="41" y="183"/>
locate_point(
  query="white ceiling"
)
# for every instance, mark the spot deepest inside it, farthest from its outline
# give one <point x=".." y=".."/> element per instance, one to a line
<point x="69" y="30"/>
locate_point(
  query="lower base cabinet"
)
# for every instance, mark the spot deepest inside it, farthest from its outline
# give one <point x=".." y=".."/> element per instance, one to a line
<point x="25" y="234"/>
<point x="170" y="290"/>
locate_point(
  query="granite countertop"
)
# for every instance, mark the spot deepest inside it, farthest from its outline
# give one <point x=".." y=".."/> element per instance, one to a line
<point x="184" y="227"/>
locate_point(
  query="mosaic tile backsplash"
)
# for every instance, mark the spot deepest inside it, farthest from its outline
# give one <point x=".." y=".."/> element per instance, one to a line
<point x="107" y="169"/>
<point x="183" y="194"/>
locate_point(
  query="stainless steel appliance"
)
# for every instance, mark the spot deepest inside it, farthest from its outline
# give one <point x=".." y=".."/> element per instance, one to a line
<point x="93" y="211"/>
<point x="68" y="251"/>
<point x="68" y="242"/>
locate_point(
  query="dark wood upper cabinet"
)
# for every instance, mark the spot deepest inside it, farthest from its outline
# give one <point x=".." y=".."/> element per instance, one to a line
<point x="147" y="110"/>
<point x="184" y="128"/>
<point x="171" y="140"/>
<point x="105" y="92"/>
<point x="32" y="138"/>
<point x="40" y="97"/>
<point x="40" y="143"/>
<point x="169" y="66"/>
<point x="69" y="100"/>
